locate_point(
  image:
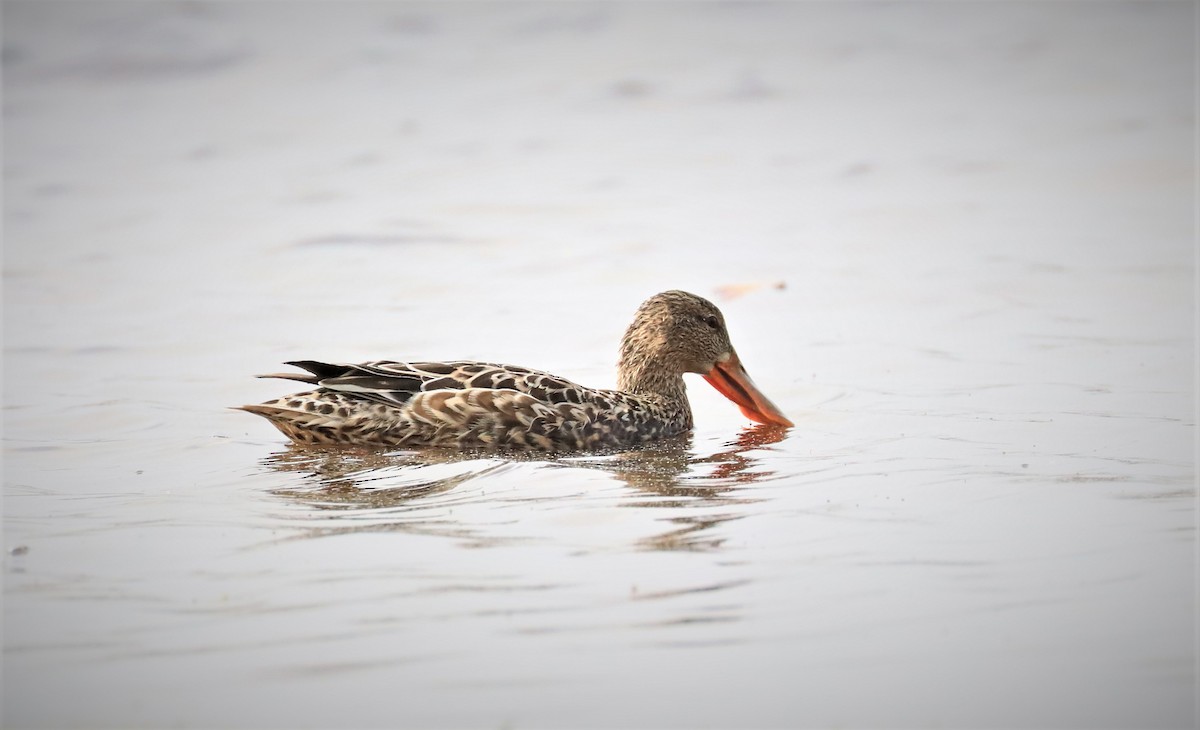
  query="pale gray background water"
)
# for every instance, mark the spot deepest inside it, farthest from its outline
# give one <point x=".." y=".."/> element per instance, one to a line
<point x="983" y="218"/>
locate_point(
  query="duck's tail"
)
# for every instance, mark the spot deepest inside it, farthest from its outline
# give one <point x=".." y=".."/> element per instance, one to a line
<point x="305" y="418"/>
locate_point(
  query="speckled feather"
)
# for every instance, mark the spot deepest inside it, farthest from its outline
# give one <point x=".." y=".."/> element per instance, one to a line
<point x="465" y="404"/>
<point x="476" y="404"/>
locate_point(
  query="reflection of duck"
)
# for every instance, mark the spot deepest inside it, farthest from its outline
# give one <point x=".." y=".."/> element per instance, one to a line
<point x="344" y="476"/>
<point x="372" y="491"/>
<point x="668" y="472"/>
<point x="467" y="404"/>
<point x="671" y="470"/>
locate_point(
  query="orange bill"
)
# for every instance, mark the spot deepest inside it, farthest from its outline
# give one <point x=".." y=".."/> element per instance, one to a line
<point x="731" y="379"/>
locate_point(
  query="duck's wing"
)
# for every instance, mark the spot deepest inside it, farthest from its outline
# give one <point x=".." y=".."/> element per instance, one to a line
<point x="396" y="383"/>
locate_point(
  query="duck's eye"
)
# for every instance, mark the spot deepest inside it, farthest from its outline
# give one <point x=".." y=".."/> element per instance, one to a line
<point x="712" y="322"/>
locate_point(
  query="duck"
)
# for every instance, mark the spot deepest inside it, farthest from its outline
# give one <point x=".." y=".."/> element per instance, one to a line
<point x="468" y="404"/>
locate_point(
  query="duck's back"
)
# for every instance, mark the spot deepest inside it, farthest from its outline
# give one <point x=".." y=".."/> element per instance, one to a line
<point x="460" y="404"/>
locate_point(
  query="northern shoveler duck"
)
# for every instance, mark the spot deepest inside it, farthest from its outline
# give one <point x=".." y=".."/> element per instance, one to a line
<point x="477" y="404"/>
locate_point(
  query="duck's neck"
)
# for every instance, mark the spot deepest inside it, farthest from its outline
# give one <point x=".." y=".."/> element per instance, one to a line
<point x="640" y="374"/>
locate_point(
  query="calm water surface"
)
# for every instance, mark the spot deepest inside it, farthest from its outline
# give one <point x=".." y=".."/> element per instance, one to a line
<point x="954" y="243"/>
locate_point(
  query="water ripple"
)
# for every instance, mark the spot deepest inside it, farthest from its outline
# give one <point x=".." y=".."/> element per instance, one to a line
<point x="692" y="489"/>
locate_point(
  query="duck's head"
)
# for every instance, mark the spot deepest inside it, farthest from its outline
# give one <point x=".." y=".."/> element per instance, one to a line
<point x="676" y="332"/>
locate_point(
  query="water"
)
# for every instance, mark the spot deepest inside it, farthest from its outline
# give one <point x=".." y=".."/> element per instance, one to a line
<point x="953" y="243"/>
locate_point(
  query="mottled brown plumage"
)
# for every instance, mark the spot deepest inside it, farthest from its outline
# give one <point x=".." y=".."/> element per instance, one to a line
<point x="475" y="404"/>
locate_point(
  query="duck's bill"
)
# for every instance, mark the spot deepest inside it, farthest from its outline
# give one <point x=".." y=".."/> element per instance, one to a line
<point x="731" y="379"/>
